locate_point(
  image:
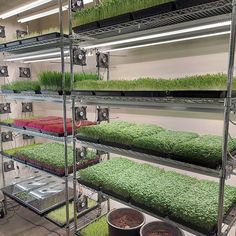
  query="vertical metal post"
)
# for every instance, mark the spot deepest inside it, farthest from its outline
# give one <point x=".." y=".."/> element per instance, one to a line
<point x="227" y="119"/>
<point x="71" y="45"/>
<point x="108" y="155"/>
<point x="74" y="163"/>
<point x="2" y="169"/>
<point x="64" y="116"/>
<point x="73" y="113"/>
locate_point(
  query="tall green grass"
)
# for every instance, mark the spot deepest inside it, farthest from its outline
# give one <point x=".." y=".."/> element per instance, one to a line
<point x="196" y="82"/>
<point x="110" y="8"/>
<point x="52" y="80"/>
<point x="24" y="85"/>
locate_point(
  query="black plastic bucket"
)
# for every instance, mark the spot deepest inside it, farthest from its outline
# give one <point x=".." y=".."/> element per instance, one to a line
<point x="125" y="222"/>
<point x="160" y="228"/>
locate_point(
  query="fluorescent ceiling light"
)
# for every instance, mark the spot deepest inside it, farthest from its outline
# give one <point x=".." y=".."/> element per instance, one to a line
<point x="48" y="59"/>
<point x="168" y="41"/>
<point x="42" y="14"/>
<point x="161" y="35"/>
<point x="24" y="8"/>
<point x="42" y="55"/>
<point x="46" y="13"/>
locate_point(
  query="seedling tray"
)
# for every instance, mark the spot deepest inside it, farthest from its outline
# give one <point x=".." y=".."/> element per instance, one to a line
<point x="18" y="127"/>
<point x="115" y="20"/>
<point x="60" y="92"/>
<point x="29" y="40"/>
<point x="113" y="144"/>
<point x="109" y="93"/>
<point x="54" y="133"/>
<point x="2" y="46"/>
<point x="33" y="129"/>
<point x="201" y="94"/>
<point x="152" y="11"/>
<point x="13" y="43"/>
<point x="86" y="139"/>
<point x="90" y="185"/>
<point x="148" y="209"/>
<point x="86" y="27"/>
<point x="83" y="92"/>
<point x="49" y="92"/>
<point x="53" y="35"/>
<point x="5" y="124"/>
<point x="7" y="91"/>
<point x="150" y="152"/>
<point x="70" y="221"/>
<point x="116" y="195"/>
<point x="180" y="4"/>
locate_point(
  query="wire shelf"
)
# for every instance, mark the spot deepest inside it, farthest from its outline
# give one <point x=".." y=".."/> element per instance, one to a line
<point x="172" y="18"/>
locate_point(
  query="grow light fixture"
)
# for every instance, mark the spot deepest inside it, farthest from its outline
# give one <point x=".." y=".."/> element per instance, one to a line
<point x="162" y="35"/>
<point x="48" y="59"/>
<point x="41" y="14"/>
<point x="47" y="13"/>
<point x="37" y="56"/>
<point x="168" y="41"/>
<point x="24" y="8"/>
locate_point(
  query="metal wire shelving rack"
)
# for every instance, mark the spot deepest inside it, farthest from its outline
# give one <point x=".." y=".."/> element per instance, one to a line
<point x="215" y="11"/>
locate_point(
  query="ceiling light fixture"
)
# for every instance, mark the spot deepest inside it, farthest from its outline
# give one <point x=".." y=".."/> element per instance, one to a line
<point x="42" y="14"/>
<point x="24" y="8"/>
<point x="161" y="35"/>
<point x="168" y="41"/>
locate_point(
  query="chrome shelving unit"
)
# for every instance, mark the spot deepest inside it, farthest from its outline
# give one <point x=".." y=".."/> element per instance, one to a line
<point x="36" y="48"/>
<point x="198" y="16"/>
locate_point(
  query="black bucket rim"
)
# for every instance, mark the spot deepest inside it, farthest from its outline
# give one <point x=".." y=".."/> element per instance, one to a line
<point x="160" y="222"/>
<point x="126" y="208"/>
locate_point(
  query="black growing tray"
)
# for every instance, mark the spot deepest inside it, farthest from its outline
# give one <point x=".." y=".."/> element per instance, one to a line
<point x="89" y="185"/>
<point x="33" y="129"/>
<point x="5" y="124"/>
<point x="86" y="139"/>
<point x="18" y="127"/>
<point x="54" y="133"/>
<point x="156" y="10"/>
<point x="115" y="20"/>
<point x="155" y="94"/>
<point x="13" y="43"/>
<point x="29" y="40"/>
<point x="49" y="36"/>
<point x="3" y="45"/>
<point x="116" y="195"/>
<point x="180" y="4"/>
<point x="86" y="27"/>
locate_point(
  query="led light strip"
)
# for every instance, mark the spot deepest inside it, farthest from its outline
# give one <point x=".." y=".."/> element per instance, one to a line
<point x="48" y="59"/>
<point x="161" y="35"/>
<point x="36" y="56"/>
<point x="42" y="14"/>
<point x="24" y="8"/>
<point x="46" y="13"/>
<point x="168" y="41"/>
